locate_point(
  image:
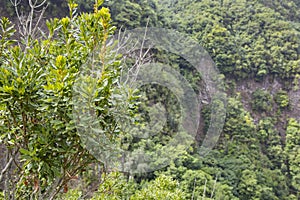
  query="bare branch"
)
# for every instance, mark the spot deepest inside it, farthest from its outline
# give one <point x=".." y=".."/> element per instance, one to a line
<point x="28" y="24"/>
<point x="134" y="50"/>
<point x="4" y="170"/>
<point x="8" y="164"/>
<point x="39" y="19"/>
<point x="204" y="191"/>
<point x="215" y="184"/>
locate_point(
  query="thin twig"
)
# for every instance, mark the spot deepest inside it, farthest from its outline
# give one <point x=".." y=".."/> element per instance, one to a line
<point x="8" y="164"/>
<point x="204" y="191"/>
<point x="215" y="184"/>
<point x="194" y="189"/>
<point x="4" y="170"/>
<point x="27" y="27"/>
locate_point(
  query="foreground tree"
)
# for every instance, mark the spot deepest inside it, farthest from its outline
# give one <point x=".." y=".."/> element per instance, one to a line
<point x="43" y="150"/>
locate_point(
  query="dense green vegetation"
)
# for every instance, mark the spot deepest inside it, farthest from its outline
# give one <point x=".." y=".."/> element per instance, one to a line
<point x="255" y="44"/>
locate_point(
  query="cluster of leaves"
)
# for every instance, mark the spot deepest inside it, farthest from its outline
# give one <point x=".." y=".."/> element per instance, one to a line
<point x="282" y="99"/>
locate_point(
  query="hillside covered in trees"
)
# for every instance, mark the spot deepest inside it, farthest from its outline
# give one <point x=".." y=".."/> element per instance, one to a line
<point x="70" y="128"/>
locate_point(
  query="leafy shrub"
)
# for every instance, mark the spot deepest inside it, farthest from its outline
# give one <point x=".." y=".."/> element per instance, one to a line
<point x="37" y="88"/>
<point x="282" y="99"/>
<point x="163" y="187"/>
<point x="261" y="100"/>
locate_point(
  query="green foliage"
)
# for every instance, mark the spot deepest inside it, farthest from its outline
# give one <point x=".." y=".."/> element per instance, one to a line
<point x="248" y="184"/>
<point x="73" y="194"/>
<point x="292" y="151"/>
<point x="257" y="156"/>
<point x="133" y="14"/>
<point x="197" y="183"/>
<point x="270" y="141"/>
<point x="7" y="31"/>
<point x="239" y="124"/>
<point x="282" y="99"/>
<point x="114" y="186"/>
<point x="288" y="9"/>
<point x="261" y="100"/>
<point x="36" y="84"/>
<point x="163" y="187"/>
<point x="246" y="39"/>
